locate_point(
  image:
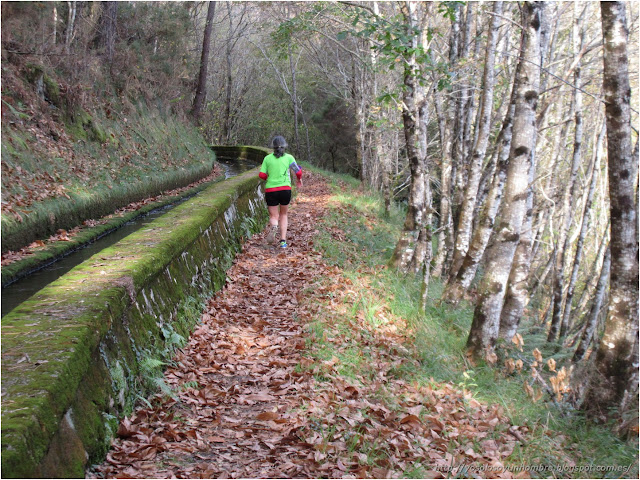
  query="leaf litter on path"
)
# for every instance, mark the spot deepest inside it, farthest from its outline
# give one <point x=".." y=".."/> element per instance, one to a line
<point x="252" y="401"/>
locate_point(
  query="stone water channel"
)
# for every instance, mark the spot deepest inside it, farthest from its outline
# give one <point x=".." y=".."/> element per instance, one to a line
<point x="73" y="353"/>
<point x="19" y="291"/>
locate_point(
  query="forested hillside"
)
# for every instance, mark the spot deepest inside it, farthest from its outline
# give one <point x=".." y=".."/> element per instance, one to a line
<point x="506" y="131"/>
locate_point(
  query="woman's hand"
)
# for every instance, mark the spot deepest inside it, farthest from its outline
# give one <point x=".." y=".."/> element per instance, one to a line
<point x="299" y="183"/>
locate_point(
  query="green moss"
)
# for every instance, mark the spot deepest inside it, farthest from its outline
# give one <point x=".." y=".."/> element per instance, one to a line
<point x="52" y="90"/>
<point x="85" y="127"/>
<point x="255" y="154"/>
<point x="36" y="75"/>
<point x="118" y="159"/>
<point x="47" y="217"/>
<point x="85" y="335"/>
<point x="51" y="252"/>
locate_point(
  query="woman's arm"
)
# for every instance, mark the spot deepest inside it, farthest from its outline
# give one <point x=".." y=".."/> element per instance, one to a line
<point x="297" y="170"/>
<point x="263" y="170"/>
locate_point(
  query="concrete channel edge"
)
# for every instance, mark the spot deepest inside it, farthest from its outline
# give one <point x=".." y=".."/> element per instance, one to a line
<point x="73" y="355"/>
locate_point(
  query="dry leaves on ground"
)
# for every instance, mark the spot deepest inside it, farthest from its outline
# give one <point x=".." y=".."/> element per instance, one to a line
<point x="252" y="403"/>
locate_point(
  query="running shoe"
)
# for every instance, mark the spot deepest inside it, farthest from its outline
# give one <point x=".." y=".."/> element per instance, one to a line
<point x="283" y="244"/>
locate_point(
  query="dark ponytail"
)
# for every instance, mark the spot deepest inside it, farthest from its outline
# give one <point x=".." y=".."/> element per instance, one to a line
<point x="278" y="144"/>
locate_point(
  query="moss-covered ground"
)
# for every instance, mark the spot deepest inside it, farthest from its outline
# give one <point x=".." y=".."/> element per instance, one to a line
<point x="65" y="162"/>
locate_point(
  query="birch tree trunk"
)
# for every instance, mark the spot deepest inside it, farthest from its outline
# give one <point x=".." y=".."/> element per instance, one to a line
<point x="358" y="111"/>
<point x="226" y="124"/>
<point x="381" y="151"/>
<point x="465" y="221"/>
<point x="447" y="114"/>
<point x="584" y="227"/>
<point x="482" y="233"/>
<point x="445" y="234"/>
<point x="596" y="306"/>
<point x="55" y="24"/>
<point x="426" y="277"/>
<point x="616" y="376"/>
<point x="423" y="245"/>
<point x="517" y="296"/>
<point x="592" y="277"/>
<point x="562" y="246"/>
<point x="201" y="89"/>
<point x="413" y="97"/>
<point x="71" y="22"/>
<point x="461" y="127"/>
<point x="486" y="319"/>
<point x="540" y="280"/>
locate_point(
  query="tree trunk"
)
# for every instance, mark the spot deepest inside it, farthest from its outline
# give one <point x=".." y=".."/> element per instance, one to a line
<point x="539" y="280"/>
<point x="465" y="221"/>
<point x="110" y="22"/>
<point x="226" y="124"/>
<point x="55" y="24"/>
<point x="482" y="234"/>
<point x="616" y="375"/>
<point x="549" y="191"/>
<point x="458" y="151"/>
<point x="562" y="242"/>
<point x="71" y="21"/>
<point x="590" y="284"/>
<point x="562" y="246"/>
<point x="486" y="319"/>
<point x="358" y="112"/>
<point x="381" y="155"/>
<point x="592" y="318"/>
<point x="428" y="250"/>
<point x="413" y="98"/>
<point x="201" y="89"/>
<point x="517" y="296"/>
<point x="294" y="97"/>
<point x="424" y="237"/>
<point x="445" y="227"/>
<point x="448" y="119"/>
<point x="573" y="279"/>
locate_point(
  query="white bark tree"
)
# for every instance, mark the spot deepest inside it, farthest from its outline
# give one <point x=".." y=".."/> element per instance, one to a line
<point x="615" y="380"/>
<point x="486" y="319"/>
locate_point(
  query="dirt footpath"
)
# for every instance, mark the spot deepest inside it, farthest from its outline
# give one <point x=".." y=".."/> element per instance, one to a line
<point x="257" y="395"/>
<point x="239" y="394"/>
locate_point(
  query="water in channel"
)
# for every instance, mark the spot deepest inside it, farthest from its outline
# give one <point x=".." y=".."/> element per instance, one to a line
<point x="19" y="291"/>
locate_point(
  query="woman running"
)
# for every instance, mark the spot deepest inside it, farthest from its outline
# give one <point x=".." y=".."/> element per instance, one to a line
<point x="275" y="170"/>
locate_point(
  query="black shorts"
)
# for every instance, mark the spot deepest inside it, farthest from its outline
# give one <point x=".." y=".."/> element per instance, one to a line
<point x="279" y="197"/>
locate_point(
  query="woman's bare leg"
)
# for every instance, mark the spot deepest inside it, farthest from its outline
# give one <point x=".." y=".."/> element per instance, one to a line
<point x="273" y="223"/>
<point x="283" y="221"/>
<point x="273" y="214"/>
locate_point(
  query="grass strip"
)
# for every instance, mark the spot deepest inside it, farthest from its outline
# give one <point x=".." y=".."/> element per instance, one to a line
<point x="358" y="238"/>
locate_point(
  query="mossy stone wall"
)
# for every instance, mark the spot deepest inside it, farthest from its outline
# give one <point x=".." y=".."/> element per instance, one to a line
<point x="69" y="212"/>
<point x="71" y="355"/>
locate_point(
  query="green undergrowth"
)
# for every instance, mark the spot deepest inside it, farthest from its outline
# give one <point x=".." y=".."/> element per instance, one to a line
<point x="357" y="237"/>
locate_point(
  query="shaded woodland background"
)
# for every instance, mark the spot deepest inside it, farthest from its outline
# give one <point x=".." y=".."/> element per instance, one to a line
<point x="486" y="120"/>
